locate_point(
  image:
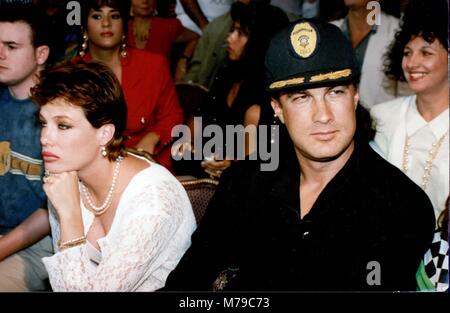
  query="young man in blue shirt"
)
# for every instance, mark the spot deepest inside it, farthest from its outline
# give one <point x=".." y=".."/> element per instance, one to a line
<point x="24" y="226"/>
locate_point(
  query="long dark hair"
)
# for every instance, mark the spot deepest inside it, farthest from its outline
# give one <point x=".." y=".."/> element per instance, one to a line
<point x="260" y="21"/>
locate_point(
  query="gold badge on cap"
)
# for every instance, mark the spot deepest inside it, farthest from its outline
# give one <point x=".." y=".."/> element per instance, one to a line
<point x="304" y="39"/>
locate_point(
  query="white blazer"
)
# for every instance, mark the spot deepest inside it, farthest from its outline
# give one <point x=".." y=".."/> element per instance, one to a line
<point x="392" y="120"/>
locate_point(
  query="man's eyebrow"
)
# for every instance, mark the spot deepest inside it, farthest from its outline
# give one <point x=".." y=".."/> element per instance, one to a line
<point x="293" y="93"/>
<point x="338" y="86"/>
<point x="10" y="42"/>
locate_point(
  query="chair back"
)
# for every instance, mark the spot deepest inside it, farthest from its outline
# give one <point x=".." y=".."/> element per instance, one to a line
<point x="191" y="96"/>
<point x="200" y="192"/>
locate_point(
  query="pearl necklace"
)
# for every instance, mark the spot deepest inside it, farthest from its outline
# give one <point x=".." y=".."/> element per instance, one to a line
<point x="428" y="163"/>
<point x="99" y="210"/>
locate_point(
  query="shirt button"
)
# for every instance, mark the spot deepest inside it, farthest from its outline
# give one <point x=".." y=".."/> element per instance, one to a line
<point x="305" y="234"/>
<point x="142" y="120"/>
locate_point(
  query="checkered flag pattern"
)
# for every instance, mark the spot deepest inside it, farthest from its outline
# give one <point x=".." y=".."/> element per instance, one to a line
<point x="436" y="263"/>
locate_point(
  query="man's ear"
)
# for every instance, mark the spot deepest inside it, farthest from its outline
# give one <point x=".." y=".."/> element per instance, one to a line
<point x="356" y="99"/>
<point x="106" y="133"/>
<point x="41" y="54"/>
<point x="276" y="106"/>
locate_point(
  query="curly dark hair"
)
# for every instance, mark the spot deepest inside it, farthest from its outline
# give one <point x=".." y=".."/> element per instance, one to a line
<point x="427" y="19"/>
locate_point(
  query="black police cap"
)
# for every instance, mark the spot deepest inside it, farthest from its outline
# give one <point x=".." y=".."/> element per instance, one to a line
<point x="307" y="54"/>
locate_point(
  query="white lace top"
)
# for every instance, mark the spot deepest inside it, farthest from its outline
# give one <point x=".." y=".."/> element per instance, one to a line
<point x="150" y="232"/>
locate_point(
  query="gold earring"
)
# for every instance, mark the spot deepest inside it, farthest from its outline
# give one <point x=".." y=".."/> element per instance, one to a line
<point x="104" y="152"/>
<point x="123" y="51"/>
<point x="84" y="45"/>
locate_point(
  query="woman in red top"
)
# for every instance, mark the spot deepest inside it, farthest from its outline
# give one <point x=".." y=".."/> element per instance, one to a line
<point x="152" y="33"/>
<point x="153" y="107"/>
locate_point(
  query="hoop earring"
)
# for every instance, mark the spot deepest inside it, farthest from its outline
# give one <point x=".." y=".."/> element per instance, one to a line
<point x="123" y="51"/>
<point x="84" y="45"/>
<point x="104" y="152"/>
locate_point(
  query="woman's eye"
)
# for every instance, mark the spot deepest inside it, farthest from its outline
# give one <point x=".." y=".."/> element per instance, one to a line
<point x="116" y="17"/>
<point x="63" y="126"/>
<point x="43" y="124"/>
<point x="96" y="16"/>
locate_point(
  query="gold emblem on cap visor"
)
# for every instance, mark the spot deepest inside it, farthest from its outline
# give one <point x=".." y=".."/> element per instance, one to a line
<point x="304" y="39"/>
<point x="288" y="82"/>
<point x="331" y="75"/>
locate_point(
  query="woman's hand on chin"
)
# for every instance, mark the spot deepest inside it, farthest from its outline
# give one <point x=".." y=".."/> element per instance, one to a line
<point x="62" y="190"/>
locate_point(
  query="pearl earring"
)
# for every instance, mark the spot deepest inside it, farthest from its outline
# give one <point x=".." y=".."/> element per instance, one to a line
<point x="104" y="152"/>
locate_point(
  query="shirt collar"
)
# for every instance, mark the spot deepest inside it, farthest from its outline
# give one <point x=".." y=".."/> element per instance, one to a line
<point x="346" y="29"/>
<point x="414" y="121"/>
<point x="286" y="182"/>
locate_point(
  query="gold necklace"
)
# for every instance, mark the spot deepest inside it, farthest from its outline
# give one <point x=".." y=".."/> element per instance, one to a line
<point x="99" y="210"/>
<point x="429" y="161"/>
<point x="141" y="32"/>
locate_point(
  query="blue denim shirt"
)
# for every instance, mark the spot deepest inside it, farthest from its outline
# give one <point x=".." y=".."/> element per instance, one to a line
<point x="21" y="166"/>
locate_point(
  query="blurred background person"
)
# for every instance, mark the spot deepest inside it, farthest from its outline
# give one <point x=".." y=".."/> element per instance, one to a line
<point x="148" y="31"/>
<point x="196" y="14"/>
<point x="211" y="50"/>
<point x="237" y="93"/>
<point x="370" y="43"/>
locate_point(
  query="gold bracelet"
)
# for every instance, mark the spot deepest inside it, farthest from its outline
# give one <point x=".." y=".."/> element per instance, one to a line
<point x="72" y="243"/>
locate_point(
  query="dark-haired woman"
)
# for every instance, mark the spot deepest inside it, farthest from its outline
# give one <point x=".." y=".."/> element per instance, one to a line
<point x="237" y="93"/>
<point x="153" y="108"/>
<point x="413" y="132"/>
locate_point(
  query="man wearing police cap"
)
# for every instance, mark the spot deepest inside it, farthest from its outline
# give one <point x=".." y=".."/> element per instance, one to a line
<point x="334" y="215"/>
